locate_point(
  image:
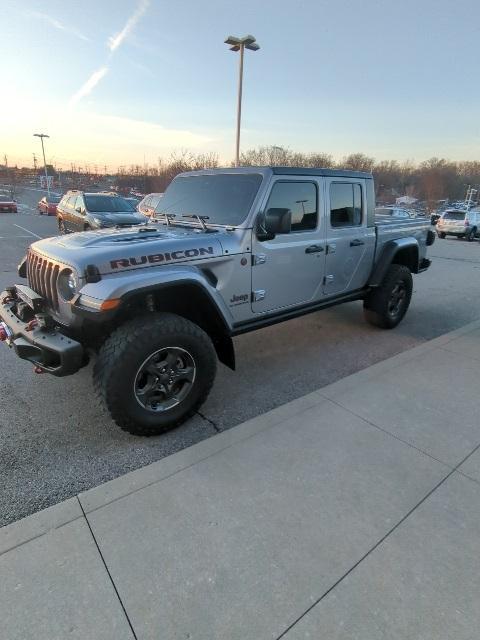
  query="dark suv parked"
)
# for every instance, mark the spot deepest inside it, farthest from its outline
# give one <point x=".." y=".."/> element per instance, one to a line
<point x="80" y="211"/>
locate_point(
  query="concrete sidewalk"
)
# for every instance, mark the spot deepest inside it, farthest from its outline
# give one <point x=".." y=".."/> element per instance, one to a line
<point x="352" y="512"/>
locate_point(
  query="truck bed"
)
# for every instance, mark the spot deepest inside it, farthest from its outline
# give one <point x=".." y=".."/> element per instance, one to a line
<point x="387" y="229"/>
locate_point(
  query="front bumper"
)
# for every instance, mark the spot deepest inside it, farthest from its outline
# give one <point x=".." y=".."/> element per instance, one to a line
<point x="36" y="338"/>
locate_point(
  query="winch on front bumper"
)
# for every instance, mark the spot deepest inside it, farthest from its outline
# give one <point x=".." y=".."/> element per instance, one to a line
<point x="26" y="327"/>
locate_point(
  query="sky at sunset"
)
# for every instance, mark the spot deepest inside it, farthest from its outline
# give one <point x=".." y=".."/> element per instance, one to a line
<point x="126" y="81"/>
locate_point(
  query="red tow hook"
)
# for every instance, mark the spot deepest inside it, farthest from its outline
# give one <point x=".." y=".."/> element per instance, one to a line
<point x="38" y="370"/>
<point x="31" y="325"/>
<point x="3" y="334"/>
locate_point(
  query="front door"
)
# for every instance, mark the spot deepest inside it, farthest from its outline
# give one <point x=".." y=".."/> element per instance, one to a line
<point x="288" y="270"/>
<point x="350" y="242"/>
<point x="69" y="213"/>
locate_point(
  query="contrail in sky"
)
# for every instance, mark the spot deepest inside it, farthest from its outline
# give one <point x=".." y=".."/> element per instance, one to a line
<point x="56" y="23"/>
<point x="115" y="41"/>
<point x="88" y="86"/>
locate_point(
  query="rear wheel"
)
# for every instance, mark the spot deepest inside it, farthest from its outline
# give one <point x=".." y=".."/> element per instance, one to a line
<point x="153" y="373"/>
<point x="386" y="305"/>
<point x="470" y="236"/>
<point x="442" y="235"/>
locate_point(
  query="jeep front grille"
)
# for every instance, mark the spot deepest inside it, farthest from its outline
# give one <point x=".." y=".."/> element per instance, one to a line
<point x="42" y="277"/>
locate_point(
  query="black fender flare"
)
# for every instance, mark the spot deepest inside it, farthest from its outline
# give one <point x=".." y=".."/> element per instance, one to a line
<point x="390" y="251"/>
<point x="217" y="327"/>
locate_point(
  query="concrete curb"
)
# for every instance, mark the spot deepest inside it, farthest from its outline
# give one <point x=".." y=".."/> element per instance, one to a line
<point x="58" y="515"/>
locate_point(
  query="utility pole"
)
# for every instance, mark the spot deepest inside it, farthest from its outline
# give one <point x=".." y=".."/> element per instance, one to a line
<point x="34" y="163"/>
<point x="240" y="44"/>
<point x="42" y="136"/>
<point x="7" y="174"/>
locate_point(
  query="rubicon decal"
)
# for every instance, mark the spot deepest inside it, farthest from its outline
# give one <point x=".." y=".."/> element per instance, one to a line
<point x="155" y="258"/>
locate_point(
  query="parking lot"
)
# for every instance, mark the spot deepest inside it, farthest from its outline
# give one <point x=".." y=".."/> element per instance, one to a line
<point x="55" y="442"/>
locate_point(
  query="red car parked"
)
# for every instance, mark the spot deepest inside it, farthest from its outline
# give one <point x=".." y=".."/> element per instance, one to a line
<point x="48" y="205"/>
<point x="8" y="204"/>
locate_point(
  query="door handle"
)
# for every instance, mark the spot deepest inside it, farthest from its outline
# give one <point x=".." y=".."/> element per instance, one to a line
<point x="314" y="248"/>
<point x="356" y="243"/>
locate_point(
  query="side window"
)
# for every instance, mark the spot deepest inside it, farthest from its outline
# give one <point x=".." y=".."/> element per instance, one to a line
<point x="79" y="203"/>
<point x="300" y="198"/>
<point x="345" y="204"/>
<point x="154" y="201"/>
<point x="71" y="202"/>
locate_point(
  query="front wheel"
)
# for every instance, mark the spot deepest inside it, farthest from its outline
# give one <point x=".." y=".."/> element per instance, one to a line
<point x="153" y="373"/>
<point x="442" y="235"/>
<point x="386" y="305"/>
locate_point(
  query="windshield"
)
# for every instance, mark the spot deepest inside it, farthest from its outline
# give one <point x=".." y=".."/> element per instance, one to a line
<point x="225" y="198"/>
<point x="54" y="199"/>
<point x="454" y="215"/>
<point x="5" y="199"/>
<point x="108" y="204"/>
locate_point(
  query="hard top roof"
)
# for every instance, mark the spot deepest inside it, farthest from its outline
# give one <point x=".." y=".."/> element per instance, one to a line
<point x="287" y="171"/>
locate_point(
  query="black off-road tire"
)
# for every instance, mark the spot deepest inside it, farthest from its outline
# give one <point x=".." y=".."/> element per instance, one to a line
<point x="122" y="355"/>
<point x="378" y="304"/>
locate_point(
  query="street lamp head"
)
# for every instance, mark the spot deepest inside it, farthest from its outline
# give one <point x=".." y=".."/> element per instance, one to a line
<point x="248" y="42"/>
<point x="41" y="135"/>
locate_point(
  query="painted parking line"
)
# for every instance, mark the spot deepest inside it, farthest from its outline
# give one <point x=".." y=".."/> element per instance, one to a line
<point x="8" y="237"/>
<point x="28" y="231"/>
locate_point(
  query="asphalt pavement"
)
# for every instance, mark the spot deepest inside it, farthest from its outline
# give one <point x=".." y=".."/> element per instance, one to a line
<point x="55" y="443"/>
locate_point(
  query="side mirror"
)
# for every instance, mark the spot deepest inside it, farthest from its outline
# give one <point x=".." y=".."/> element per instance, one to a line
<point x="273" y="222"/>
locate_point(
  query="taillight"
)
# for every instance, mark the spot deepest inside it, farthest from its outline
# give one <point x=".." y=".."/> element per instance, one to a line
<point x="467" y="222"/>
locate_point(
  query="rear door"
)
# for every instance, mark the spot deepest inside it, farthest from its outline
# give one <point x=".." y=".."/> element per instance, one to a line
<point x="288" y="270"/>
<point x="350" y="243"/>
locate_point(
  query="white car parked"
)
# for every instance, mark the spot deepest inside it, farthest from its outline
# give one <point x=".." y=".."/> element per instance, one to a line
<point x="463" y="224"/>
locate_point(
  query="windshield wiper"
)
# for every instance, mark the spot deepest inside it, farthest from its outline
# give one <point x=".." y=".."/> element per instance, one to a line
<point x="201" y="219"/>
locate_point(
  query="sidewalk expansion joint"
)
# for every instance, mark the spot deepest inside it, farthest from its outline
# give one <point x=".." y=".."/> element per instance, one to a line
<point x="392" y="435"/>
<point x="35" y="536"/>
<point x="217" y="429"/>
<point x="108" y="571"/>
<point x="377" y="544"/>
<point x="465" y="475"/>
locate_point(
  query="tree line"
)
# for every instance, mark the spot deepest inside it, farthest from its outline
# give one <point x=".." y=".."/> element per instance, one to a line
<point x="430" y="181"/>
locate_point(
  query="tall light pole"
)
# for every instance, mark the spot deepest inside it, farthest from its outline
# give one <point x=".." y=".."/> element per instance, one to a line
<point x="42" y="136"/>
<point x="240" y="44"/>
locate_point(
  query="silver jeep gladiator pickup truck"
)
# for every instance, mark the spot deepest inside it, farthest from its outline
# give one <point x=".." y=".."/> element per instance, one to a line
<point x="229" y="251"/>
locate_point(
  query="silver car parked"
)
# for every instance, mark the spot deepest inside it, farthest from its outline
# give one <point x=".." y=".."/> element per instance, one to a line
<point x="148" y="205"/>
<point x="460" y="223"/>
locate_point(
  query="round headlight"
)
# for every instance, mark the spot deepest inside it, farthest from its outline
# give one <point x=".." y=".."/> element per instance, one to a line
<point x="67" y="284"/>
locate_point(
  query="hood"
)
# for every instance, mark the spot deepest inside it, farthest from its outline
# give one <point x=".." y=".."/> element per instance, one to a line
<point x="118" y="218"/>
<point x="118" y="250"/>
